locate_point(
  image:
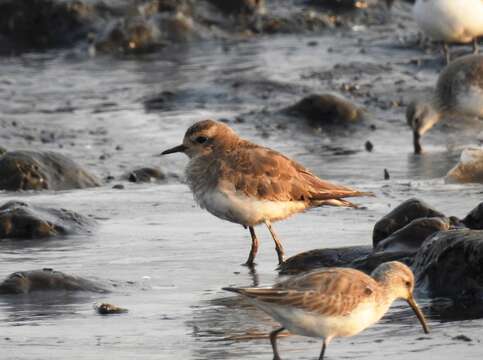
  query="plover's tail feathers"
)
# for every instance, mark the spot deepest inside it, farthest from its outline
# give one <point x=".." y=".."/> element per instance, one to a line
<point x="320" y="190"/>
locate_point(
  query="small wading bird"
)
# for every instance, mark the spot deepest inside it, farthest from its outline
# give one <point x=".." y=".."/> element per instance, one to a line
<point x="247" y="184"/>
<point x="450" y="21"/>
<point x="459" y="90"/>
<point x="334" y="302"/>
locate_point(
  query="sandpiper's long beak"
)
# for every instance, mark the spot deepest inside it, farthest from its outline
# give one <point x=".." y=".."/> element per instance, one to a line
<point x="417" y="142"/>
<point x="419" y="314"/>
<point x="179" y="148"/>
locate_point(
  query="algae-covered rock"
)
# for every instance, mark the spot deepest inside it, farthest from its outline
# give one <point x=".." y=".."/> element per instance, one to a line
<point x="26" y="282"/>
<point x="314" y="259"/>
<point x="36" y="170"/>
<point x="400" y="216"/>
<point x="450" y="264"/>
<point x="322" y="110"/>
<point x="19" y="220"/>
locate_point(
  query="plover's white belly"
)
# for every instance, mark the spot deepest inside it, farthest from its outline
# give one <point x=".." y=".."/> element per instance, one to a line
<point x="470" y="102"/>
<point x="315" y="325"/>
<point x="450" y="20"/>
<point x="241" y="209"/>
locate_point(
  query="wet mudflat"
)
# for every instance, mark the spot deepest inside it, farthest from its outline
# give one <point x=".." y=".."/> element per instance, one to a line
<point x="165" y="259"/>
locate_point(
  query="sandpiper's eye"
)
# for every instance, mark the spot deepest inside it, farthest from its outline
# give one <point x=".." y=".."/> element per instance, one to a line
<point x="201" y="139"/>
<point x="407" y="283"/>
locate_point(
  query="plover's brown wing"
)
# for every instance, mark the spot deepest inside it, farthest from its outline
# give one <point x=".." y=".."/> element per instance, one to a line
<point x="328" y="292"/>
<point x="266" y="174"/>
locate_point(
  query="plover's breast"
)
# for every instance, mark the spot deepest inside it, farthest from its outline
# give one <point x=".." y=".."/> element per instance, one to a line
<point x="241" y="209"/>
<point x="449" y="20"/>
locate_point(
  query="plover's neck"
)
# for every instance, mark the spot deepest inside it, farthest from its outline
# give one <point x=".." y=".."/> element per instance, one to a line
<point x="202" y="174"/>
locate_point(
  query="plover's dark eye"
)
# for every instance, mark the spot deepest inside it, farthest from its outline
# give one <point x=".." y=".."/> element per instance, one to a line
<point x="201" y="139"/>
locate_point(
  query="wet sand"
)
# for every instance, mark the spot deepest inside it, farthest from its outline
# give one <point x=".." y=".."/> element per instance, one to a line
<point x="168" y="258"/>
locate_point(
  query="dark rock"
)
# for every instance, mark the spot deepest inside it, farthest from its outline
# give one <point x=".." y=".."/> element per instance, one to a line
<point x="145" y="175"/>
<point x="327" y="110"/>
<point x="162" y="101"/>
<point x="368" y="263"/>
<point x="141" y="34"/>
<point x="31" y="170"/>
<point x="338" y="4"/>
<point x="170" y="5"/>
<point x="410" y="237"/>
<point x="25" y="282"/>
<point x="474" y="220"/>
<point x="401" y="216"/>
<point x="107" y="309"/>
<point x="19" y="220"/>
<point x="450" y="264"/>
<point x="318" y="258"/>
<point x="118" y="187"/>
<point x="386" y="175"/>
<point x="239" y="7"/>
<point x="462" y="338"/>
<point x="368" y="145"/>
<point x="43" y="24"/>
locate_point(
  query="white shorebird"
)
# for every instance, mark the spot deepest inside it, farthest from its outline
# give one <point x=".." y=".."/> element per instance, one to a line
<point x="239" y="181"/>
<point x="334" y="302"/>
<point x="459" y="90"/>
<point x="450" y="21"/>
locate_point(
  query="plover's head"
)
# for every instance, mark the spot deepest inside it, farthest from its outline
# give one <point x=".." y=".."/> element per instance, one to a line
<point x="399" y="282"/>
<point x="421" y="116"/>
<point x="205" y="137"/>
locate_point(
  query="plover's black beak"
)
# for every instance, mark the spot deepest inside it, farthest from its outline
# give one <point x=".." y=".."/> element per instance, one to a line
<point x="417" y="142"/>
<point x="179" y="148"/>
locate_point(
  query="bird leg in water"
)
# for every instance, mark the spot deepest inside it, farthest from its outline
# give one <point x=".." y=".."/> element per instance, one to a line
<point x="446" y="53"/>
<point x="476" y="49"/>
<point x="322" y="352"/>
<point x="273" y="341"/>
<point x="254" y="248"/>
<point x="278" y="244"/>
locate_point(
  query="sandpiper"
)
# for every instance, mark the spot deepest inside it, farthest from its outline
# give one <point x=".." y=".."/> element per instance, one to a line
<point x="334" y="302"/>
<point x="239" y="181"/>
<point x="459" y="90"/>
<point x="450" y="21"/>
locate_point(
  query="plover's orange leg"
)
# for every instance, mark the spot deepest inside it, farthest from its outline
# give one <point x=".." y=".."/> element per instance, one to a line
<point x="273" y="341"/>
<point x="278" y="244"/>
<point x="254" y="249"/>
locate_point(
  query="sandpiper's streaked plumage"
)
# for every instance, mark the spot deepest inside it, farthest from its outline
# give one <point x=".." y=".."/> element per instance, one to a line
<point x="459" y="90"/>
<point x="334" y="302"/>
<point x="239" y="181"/>
<point x="450" y="21"/>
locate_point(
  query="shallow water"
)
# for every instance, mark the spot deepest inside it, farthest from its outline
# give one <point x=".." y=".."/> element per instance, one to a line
<point x="166" y="259"/>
